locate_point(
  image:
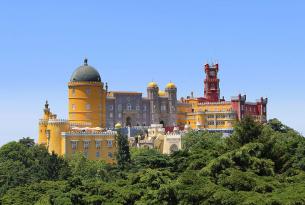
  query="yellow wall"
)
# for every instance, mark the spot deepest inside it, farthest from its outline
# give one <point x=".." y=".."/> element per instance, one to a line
<point x="219" y="115"/>
<point x="91" y="151"/>
<point x="42" y="138"/>
<point x="182" y="110"/>
<point x="87" y="103"/>
<point x="55" y="129"/>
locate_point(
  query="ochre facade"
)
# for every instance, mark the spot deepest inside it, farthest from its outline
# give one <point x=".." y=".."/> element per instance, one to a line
<point x="84" y="131"/>
<point x="93" y="111"/>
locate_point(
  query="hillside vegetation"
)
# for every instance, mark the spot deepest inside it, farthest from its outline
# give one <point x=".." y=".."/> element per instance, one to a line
<point x="258" y="164"/>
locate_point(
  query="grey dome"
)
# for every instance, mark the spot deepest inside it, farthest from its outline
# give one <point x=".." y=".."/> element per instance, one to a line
<point x="85" y="73"/>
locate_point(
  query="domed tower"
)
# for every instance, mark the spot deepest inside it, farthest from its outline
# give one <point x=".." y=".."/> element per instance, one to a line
<point x="153" y="96"/>
<point x="87" y="97"/>
<point x="171" y="91"/>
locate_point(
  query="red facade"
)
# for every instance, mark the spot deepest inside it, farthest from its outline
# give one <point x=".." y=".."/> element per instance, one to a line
<point x="211" y="83"/>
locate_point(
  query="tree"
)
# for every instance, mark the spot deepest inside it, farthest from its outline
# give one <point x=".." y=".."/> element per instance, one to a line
<point x="123" y="154"/>
<point x="24" y="162"/>
<point x="278" y="126"/>
<point x="28" y="142"/>
<point x="245" y="131"/>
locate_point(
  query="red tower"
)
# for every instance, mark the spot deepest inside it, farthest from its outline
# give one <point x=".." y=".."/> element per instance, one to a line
<point x="211" y="83"/>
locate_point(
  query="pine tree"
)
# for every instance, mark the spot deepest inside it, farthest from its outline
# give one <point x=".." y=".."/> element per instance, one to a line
<point x="123" y="154"/>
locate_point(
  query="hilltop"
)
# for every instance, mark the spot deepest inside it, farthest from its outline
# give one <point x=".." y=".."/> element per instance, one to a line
<point x="257" y="164"/>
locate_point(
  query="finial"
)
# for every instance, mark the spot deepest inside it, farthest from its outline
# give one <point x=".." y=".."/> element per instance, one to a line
<point x="85" y="61"/>
<point x="46" y="105"/>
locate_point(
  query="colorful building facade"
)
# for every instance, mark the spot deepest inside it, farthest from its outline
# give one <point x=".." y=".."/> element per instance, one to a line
<point x="216" y="114"/>
<point x="84" y="130"/>
<point x="93" y="112"/>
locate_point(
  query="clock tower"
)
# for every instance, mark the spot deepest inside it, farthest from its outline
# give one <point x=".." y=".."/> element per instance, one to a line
<point x="211" y="83"/>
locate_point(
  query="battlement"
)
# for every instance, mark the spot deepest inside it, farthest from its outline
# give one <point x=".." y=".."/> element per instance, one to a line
<point x="82" y="83"/>
<point x="215" y="103"/>
<point x="86" y="133"/>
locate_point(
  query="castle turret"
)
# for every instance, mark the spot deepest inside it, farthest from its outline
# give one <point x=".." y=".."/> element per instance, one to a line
<point x="43" y="123"/>
<point x="153" y="96"/>
<point x="87" y="97"/>
<point x="211" y="83"/>
<point x="171" y="91"/>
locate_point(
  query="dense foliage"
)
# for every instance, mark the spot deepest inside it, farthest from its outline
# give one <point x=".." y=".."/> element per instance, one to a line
<point x="123" y="154"/>
<point x="258" y="164"/>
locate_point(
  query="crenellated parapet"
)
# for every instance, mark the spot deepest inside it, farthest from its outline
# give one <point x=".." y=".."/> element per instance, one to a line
<point x="86" y="134"/>
<point x="85" y="83"/>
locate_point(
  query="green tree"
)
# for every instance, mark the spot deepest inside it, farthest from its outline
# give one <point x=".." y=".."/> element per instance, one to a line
<point x="245" y="131"/>
<point x="23" y="162"/>
<point x="123" y="154"/>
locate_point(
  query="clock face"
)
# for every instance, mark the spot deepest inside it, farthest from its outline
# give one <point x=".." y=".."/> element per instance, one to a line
<point x="212" y="73"/>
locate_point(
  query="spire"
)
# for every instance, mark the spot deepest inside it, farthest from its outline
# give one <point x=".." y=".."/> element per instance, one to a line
<point x="46" y="105"/>
<point x="85" y="61"/>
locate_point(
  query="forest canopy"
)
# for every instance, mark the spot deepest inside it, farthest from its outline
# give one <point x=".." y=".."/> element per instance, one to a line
<point x="257" y="164"/>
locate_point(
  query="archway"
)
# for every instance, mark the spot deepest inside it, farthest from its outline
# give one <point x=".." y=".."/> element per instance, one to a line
<point x="128" y="121"/>
<point x="173" y="148"/>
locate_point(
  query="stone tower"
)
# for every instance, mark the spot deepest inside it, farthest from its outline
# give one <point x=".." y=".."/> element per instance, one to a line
<point x="153" y="96"/>
<point x="211" y="83"/>
<point x="171" y="91"/>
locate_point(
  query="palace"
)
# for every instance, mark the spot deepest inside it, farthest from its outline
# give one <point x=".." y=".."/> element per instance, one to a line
<point x="215" y="114"/>
<point x="94" y="112"/>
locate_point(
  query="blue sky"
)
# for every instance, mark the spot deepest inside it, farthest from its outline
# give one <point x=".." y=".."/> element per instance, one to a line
<point x="259" y="46"/>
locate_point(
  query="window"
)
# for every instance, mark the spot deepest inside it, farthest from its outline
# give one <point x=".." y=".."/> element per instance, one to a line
<point x="210" y="116"/>
<point x="220" y="122"/>
<point x="111" y="115"/>
<point x="128" y="106"/>
<point x="86" y="144"/>
<point x="119" y="107"/>
<point x="220" y="116"/>
<point x="88" y="91"/>
<point x="97" y="154"/>
<point x="88" y="107"/>
<point x="73" y="107"/>
<point x="109" y="143"/>
<point x="110" y="154"/>
<point x="97" y="144"/>
<point x="74" y="145"/>
<point x="210" y="122"/>
<point x="163" y="108"/>
<point x="120" y="115"/>
<point x="137" y="107"/>
<point x="144" y="108"/>
<point x="73" y="92"/>
<point x="110" y="107"/>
